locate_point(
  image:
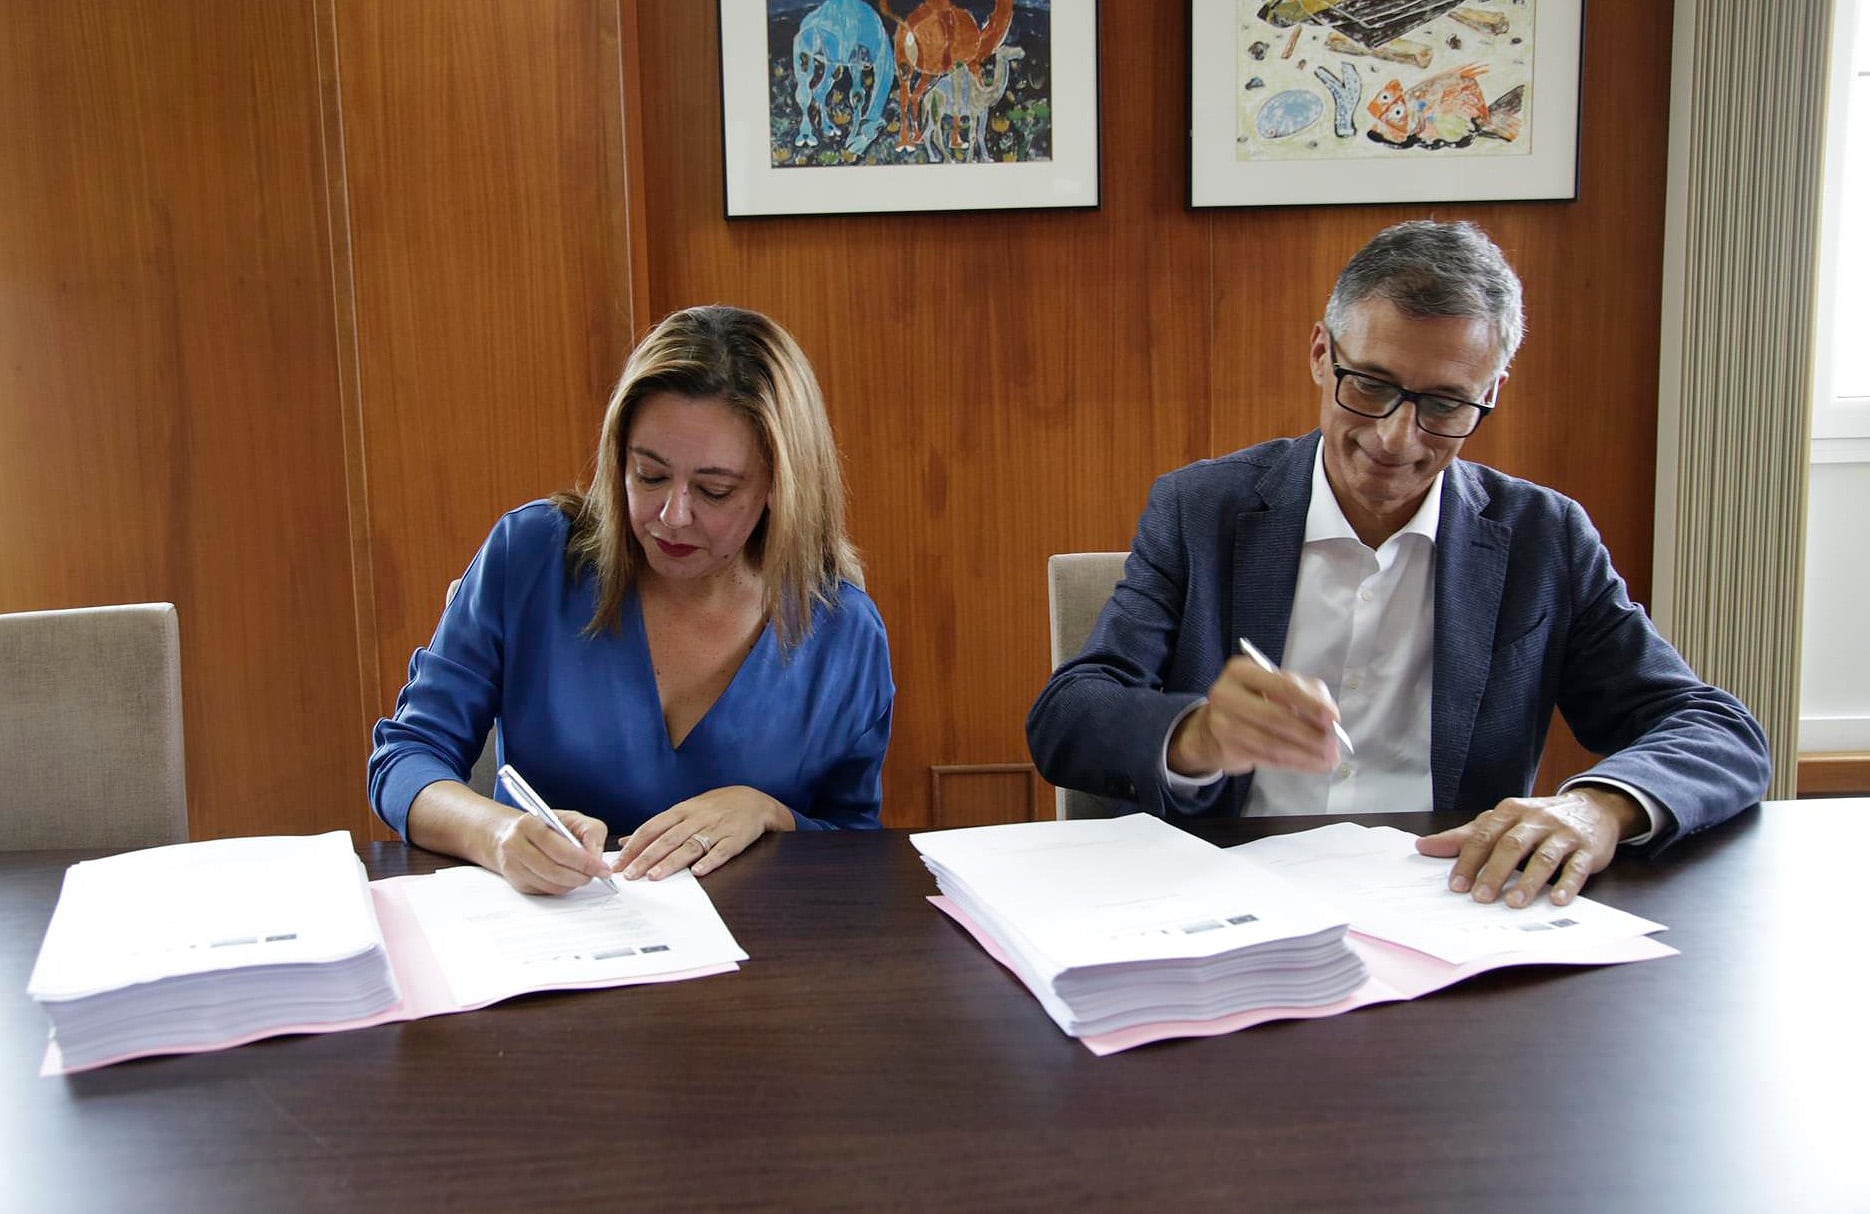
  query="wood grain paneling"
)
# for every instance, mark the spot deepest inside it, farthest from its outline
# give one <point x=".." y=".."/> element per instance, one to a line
<point x="981" y="794"/>
<point x="488" y="235"/>
<point x="167" y="375"/>
<point x="1006" y="386"/>
<point x="1844" y="774"/>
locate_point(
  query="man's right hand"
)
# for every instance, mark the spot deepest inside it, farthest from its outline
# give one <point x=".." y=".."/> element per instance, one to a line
<point x="1257" y="718"/>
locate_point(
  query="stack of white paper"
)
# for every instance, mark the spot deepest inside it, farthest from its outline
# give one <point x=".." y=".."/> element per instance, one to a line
<point x="1128" y="921"/>
<point x="178" y="947"/>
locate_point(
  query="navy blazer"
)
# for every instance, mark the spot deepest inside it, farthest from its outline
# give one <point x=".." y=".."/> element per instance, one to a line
<point x="1529" y="614"/>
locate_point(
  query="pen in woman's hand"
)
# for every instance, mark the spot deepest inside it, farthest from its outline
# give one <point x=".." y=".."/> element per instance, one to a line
<point x="532" y="803"/>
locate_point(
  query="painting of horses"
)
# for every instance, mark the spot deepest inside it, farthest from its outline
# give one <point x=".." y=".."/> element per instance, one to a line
<point x="950" y="104"/>
<point x="867" y="82"/>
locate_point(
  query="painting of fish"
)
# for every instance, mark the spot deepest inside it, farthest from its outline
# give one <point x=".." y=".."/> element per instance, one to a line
<point x="1446" y="110"/>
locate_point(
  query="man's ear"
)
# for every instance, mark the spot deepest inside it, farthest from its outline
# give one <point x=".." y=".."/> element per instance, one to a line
<point x="1320" y="353"/>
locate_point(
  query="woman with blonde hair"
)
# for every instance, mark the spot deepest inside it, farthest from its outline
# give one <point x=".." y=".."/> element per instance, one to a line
<point x="681" y="654"/>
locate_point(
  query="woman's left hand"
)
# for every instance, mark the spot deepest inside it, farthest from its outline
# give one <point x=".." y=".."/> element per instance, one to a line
<point x="702" y="833"/>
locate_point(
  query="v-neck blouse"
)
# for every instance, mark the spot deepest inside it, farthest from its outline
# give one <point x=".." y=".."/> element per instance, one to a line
<point x="579" y="716"/>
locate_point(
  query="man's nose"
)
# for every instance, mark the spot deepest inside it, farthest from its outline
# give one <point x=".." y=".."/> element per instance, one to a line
<point x="1397" y="431"/>
<point x="675" y="511"/>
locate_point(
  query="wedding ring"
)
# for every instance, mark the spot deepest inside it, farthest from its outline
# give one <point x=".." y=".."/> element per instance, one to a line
<point x="702" y="840"/>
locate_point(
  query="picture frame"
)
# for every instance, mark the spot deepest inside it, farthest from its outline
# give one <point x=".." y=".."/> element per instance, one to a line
<point x="1382" y="101"/>
<point x="1002" y="98"/>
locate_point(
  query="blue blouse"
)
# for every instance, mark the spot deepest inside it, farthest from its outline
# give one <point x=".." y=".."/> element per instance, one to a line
<point x="580" y="717"/>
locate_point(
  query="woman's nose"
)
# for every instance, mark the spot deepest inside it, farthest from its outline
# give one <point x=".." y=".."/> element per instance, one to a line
<point x="675" y="511"/>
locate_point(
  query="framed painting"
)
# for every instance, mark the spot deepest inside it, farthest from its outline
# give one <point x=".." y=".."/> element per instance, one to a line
<point x="833" y="107"/>
<point x="1334" y="101"/>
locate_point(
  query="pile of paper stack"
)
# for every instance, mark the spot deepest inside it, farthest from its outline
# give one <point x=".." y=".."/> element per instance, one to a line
<point x="1129" y="921"/>
<point x="179" y="947"/>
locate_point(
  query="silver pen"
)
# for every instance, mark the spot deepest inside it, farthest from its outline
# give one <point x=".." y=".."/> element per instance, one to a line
<point x="532" y="803"/>
<point x="1265" y="663"/>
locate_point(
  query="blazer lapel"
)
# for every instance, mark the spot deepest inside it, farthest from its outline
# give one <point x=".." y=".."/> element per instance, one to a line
<point x="1470" y="576"/>
<point x="1267" y="543"/>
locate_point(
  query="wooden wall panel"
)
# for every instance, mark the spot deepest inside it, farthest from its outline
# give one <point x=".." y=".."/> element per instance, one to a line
<point x="491" y="267"/>
<point x="167" y="375"/>
<point x="1838" y="774"/>
<point x="985" y="794"/>
<point x="1006" y="386"/>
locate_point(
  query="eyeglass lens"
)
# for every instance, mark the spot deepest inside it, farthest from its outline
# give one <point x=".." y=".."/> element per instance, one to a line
<point x="1372" y="397"/>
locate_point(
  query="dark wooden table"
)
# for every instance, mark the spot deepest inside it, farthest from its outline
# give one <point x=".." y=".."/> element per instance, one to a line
<point x="870" y="1056"/>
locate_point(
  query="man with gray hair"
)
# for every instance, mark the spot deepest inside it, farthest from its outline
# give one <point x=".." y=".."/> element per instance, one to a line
<point x="1430" y="610"/>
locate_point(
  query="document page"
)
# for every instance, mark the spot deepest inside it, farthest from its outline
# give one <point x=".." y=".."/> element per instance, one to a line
<point x="196" y="908"/>
<point x="1393" y="893"/>
<point x="493" y="942"/>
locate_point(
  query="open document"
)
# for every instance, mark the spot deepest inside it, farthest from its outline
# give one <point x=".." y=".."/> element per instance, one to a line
<point x="492" y="942"/>
<point x="202" y="946"/>
<point x="1411" y="933"/>
<point x="1392" y="892"/>
<point x="1127" y="921"/>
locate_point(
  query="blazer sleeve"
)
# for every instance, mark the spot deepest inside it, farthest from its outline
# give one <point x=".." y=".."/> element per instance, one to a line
<point x="1629" y="695"/>
<point x="1100" y="722"/>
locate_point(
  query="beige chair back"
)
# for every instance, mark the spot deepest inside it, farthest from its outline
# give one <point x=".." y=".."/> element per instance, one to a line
<point x="91" y="728"/>
<point x="1078" y="584"/>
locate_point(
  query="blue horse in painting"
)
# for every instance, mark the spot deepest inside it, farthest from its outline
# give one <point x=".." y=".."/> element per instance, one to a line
<point x="842" y="35"/>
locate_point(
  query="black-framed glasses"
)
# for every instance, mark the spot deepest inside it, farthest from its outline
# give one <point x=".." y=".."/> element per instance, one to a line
<point x="1372" y="396"/>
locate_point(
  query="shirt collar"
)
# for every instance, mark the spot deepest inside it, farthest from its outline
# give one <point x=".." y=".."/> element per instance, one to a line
<point x="1324" y="519"/>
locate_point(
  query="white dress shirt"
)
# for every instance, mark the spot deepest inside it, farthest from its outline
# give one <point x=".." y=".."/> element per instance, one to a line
<point x="1363" y="622"/>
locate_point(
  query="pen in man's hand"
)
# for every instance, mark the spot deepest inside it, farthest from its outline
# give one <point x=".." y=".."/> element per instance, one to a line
<point x="1265" y="663"/>
<point x="532" y="803"/>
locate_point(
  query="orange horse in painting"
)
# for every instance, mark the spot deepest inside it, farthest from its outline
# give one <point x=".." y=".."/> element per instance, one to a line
<point x="931" y="42"/>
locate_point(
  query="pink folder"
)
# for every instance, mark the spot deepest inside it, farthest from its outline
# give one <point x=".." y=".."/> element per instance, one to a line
<point x="418" y="976"/>
<point x="1396" y="973"/>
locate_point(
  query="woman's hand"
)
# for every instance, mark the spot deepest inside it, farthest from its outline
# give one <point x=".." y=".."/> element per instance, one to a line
<point x="451" y="818"/>
<point x="535" y="859"/>
<point x="702" y="833"/>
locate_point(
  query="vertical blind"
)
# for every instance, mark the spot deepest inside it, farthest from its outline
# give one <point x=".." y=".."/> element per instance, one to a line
<point x="1748" y="240"/>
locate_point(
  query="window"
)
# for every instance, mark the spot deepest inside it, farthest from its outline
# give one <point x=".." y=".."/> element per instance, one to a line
<point x="1846" y="412"/>
<point x="1834" y="689"/>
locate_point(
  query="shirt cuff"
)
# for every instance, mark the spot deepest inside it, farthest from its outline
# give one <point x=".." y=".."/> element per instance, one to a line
<point x="1657" y="815"/>
<point x="1175" y="782"/>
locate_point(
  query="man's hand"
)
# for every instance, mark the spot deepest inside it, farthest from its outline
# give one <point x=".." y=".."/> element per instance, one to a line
<point x="1573" y="834"/>
<point x="1257" y="718"/>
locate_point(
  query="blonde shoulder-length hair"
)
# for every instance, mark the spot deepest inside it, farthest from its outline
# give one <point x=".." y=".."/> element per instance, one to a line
<point x="749" y="363"/>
